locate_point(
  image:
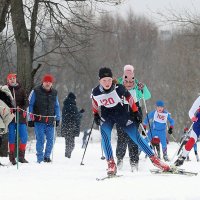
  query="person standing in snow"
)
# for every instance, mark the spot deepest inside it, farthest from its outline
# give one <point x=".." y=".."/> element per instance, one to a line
<point x="21" y="101"/>
<point x="158" y="122"/>
<point x="44" y="110"/>
<point x="108" y="97"/>
<point x="6" y="116"/>
<point x="138" y="91"/>
<point x="71" y="121"/>
<point x="194" y="114"/>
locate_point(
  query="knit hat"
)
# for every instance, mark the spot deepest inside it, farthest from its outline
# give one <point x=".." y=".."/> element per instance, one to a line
<point x="129" y="68"/>
<point x="160" y="103"/>
<point x="11" y="76"/>
<point x="71" y="95"/>
<point x="48" y="78"/>
<point x="105" y="72"/>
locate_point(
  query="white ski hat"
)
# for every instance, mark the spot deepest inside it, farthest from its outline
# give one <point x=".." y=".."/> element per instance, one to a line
<point x="129" y="68"/>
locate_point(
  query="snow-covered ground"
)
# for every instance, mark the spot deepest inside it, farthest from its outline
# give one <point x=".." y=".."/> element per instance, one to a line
<point x="66" y="179"/>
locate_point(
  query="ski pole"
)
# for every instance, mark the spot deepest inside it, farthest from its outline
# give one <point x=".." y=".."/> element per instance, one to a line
<point x="87" y="143"/>
<point x="182" y="143"/>
<point x="54" y="137"/>
<point x="102" y="156"/>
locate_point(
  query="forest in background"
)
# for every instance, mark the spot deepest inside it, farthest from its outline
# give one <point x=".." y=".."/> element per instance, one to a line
<point x="166" y="61"/>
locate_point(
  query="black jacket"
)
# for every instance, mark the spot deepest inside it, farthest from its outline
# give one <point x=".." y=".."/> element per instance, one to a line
<point x="71" y="118"/>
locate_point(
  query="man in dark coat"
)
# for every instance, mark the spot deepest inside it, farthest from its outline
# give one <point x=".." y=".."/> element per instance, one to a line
<point x="20" y="99"/>
<point x="71" y="120"/>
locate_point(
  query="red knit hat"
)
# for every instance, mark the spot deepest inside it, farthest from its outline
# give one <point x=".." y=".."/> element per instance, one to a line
<point x="48" y="78"/>
<point x="11" y="76"/>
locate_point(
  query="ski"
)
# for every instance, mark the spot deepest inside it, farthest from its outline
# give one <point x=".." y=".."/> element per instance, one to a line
<point x="108" y="177"/>
<point x="174" y="171"/>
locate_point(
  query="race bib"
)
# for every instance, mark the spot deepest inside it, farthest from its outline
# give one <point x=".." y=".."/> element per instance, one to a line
<point x="160" y="117"/>
<point x="108" y="100"/>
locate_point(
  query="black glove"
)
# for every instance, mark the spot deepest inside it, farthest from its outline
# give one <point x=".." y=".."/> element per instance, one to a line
<point x="97" y="119"/>
<point x="82" y="110"/>
<point x="137" y="117"/>
<point x="170" y="130"/>
<point x="57" y="123"/>
<point x="30" y="123"/>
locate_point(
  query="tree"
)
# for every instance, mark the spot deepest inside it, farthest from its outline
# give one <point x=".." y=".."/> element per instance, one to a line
<point x="29" y="18"/>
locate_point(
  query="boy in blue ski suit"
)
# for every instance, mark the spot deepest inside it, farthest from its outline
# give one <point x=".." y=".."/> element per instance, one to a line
<point x="43" y="103"/>
<point x="108" y="97"/>
<point x="158" y="119"/>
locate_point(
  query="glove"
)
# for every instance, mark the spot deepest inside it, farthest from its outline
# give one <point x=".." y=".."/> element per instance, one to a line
<point x="82" y="110"/>
<point x="140" y="86"/>
<point x="57" y="123"/>
<point x="97" y="119"/>
<point x="30" y="123"/>
<point x="170" y="131"/>
<point x="194" y="119"/>
<point x="137" y="117"/>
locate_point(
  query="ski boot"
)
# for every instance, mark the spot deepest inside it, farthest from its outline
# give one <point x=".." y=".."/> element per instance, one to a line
<point x="48" y="160"/>
<point x="22" y="157"/>
<point x="165" y="157"/>
<point x="158" y="163"/>
<point x="119" y="163"/>
<point x="112" y="169"/>
<point x="179" y="161"/>
<point x="134" y="166"/>
<point x="12" y="158"/>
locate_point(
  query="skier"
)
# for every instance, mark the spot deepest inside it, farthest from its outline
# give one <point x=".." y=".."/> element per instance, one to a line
<point x="158" y="120"/>
<point x="20" y="99"/>
<point x="6" y="116"/>
<point x="138" y="90"/>
<point x="71" y="120"/>
<point x="108" y="96"/>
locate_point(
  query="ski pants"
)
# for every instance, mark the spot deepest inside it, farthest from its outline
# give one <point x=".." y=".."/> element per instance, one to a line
<point x="12" y="131"/>
<point x="123" y="140"/>
<point x="132" y="132"/>
<point x="42" y="130"/>
<point x="161" y="134"/>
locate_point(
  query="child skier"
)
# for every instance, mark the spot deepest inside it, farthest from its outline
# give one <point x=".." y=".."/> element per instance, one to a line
<point x="159" y="118"/>
<point x="108" y="96"/>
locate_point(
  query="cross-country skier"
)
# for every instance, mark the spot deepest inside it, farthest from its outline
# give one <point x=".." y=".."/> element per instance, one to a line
<point x="158" y="119"/>
<point x="108" y="96"/>
<point x="138" y="90"/>
<point x="194" y="114"/>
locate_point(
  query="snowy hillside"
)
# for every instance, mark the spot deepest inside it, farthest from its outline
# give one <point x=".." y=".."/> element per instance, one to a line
<point x="66" y="179"/>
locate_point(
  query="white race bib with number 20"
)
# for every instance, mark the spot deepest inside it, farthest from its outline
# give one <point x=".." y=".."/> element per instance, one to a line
<point x="108" y="100"/>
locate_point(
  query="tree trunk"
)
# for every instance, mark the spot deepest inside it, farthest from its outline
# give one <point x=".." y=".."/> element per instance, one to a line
<point x="24" y="59"/>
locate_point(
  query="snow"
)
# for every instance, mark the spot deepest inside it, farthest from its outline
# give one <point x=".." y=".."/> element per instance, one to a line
<point x="66" y="179"/>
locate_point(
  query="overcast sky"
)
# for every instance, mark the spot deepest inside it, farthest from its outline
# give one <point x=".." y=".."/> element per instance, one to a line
<point x="151" y="7"/>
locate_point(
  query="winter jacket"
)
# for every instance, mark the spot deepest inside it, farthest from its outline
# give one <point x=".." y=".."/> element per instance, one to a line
<point x="20" y="99"/>
<point x="71" y="118"/>
<point x="139" y="95"/>
<point x="6" y="116"/>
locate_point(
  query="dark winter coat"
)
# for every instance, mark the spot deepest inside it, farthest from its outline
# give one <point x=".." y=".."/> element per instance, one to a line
<point x="21" y="100"/>
<point x="71" y="118"/>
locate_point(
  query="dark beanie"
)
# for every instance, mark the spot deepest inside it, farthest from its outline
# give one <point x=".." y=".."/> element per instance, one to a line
<point x="71" y="96"/>
<point x="105" y="72"/>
